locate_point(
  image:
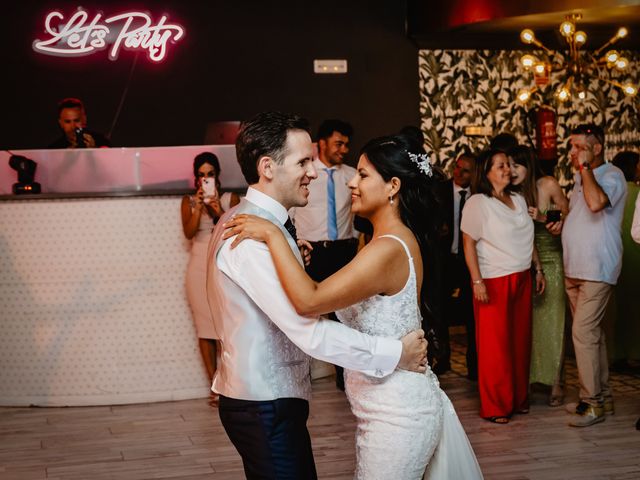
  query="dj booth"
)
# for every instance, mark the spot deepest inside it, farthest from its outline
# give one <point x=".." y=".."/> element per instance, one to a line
<point x="93" y="309"/>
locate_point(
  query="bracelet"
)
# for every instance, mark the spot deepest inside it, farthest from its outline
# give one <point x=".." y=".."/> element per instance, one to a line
<point x="585" y="166"/>
<point x="478" y="282"/>
<point x="539" y="270"/>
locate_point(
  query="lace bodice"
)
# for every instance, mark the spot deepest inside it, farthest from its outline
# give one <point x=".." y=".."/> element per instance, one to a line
<point x="387" y="315"/>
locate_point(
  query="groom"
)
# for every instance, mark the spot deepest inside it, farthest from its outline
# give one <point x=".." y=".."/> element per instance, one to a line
<point x="263" y="373"/>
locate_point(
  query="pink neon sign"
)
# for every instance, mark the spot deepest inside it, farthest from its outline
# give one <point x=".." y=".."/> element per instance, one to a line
<point x="132" y="31"/>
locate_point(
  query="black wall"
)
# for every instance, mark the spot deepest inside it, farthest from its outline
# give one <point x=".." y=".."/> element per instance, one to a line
<point x="237" y="58"/>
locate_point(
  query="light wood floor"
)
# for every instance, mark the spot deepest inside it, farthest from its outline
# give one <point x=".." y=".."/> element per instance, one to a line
<point x="185" y="439"/>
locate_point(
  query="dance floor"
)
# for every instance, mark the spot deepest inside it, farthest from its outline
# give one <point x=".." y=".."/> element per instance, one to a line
<point x="184" y="440"/>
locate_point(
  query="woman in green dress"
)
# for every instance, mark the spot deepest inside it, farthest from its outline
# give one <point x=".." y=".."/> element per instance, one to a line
<point x="626" y="337"/>
<point x="547" y="205"/>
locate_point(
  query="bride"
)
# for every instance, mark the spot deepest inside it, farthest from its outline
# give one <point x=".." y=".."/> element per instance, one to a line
<point x="406" y="426"/>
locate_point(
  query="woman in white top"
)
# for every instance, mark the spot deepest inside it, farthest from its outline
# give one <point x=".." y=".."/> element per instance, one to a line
<point x="635" y="234"/>
<point x="200" y="212"/>
<point x="498" y="244"/>
<point x="635" y="224"/>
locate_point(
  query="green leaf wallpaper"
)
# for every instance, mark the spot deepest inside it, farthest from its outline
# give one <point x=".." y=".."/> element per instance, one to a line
<point x="459" y="88"/>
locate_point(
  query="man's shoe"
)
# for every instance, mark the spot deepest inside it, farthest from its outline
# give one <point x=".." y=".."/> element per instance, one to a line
<point x="608" y="407"/>
<point x="589" y="415"/>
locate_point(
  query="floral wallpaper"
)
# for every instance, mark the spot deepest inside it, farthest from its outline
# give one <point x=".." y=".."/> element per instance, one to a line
<point x="459" y="88"/>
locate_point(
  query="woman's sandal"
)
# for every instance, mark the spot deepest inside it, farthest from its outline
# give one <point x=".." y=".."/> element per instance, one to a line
<point x="500" y="420"/>
<point x="523" y="411"/>
<point x="556" y="400"/>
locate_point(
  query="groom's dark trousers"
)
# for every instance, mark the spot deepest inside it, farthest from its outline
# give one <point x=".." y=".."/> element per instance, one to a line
<point x="271" y="437"/>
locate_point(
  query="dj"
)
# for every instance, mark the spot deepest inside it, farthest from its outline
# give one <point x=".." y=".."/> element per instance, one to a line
<point x="72" y="119"/>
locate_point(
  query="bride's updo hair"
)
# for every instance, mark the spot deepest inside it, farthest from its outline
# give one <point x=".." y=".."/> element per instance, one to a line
<point x="418" y="202"/>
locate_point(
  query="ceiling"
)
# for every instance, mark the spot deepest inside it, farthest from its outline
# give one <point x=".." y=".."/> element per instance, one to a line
<point x="496" y="24"/>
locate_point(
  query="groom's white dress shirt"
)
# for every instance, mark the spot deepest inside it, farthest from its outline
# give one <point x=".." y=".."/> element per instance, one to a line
<point x="250" y="267"/>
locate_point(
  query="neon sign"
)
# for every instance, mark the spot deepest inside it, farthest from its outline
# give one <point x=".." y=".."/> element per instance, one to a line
<point x="130" y="31"/>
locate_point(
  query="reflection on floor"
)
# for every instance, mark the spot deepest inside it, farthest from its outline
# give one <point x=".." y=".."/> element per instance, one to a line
<point x="624" y="377"/>
<point x="184" y="440"/>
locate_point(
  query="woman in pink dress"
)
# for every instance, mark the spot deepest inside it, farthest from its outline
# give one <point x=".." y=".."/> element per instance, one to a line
<point x="200" y="212"/>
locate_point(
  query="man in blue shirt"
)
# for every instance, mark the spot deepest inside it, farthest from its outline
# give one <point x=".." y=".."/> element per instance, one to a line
<point x="592" y="248"/>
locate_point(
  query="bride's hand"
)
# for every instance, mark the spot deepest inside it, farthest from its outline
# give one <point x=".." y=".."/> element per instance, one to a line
<point x="305" y="251"/>
<point x="414" y="352"/>
<point x="249" y="226"/>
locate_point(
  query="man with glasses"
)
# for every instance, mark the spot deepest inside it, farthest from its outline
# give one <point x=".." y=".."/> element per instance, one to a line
<point x="592" y="247"/>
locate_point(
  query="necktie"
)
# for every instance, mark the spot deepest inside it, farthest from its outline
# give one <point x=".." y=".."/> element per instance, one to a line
<point x="332" y="222"/>
<point x="291" y="229"/>
<point x="463" y="198"/>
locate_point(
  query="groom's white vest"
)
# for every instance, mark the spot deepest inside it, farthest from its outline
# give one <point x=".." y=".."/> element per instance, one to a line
<point x="256" y="360"/>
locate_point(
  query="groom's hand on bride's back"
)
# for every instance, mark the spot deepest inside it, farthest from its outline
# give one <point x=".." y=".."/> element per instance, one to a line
<point x="414" y="352"/>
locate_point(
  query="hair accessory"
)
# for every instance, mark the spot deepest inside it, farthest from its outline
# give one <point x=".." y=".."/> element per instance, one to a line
<point x="422" y="161"/>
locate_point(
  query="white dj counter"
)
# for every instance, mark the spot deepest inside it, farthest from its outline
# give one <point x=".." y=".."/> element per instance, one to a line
<point x="93" y="308"/>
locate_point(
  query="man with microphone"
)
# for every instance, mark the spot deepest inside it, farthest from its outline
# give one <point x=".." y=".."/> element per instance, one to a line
<point x="72" y="119"/>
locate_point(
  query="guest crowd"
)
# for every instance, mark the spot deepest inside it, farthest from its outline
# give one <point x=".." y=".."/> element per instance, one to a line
<point x="515" y="250"/>
<point x="519" y="342"/>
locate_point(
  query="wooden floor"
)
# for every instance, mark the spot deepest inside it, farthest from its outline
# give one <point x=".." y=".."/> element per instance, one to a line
<point x="184" y="440"/>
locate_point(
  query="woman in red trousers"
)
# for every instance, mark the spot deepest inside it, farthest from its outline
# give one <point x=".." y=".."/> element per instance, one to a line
<point x="498" y="247"/>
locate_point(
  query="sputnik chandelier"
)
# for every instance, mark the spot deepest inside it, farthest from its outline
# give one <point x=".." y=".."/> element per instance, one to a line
<point x="579" y="65"/>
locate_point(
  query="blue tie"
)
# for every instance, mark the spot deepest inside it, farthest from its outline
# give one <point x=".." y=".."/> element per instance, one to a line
<point x="332" y="222"/>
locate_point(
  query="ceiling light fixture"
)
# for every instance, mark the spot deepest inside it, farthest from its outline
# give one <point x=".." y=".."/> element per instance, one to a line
<point x="578" y="65"/>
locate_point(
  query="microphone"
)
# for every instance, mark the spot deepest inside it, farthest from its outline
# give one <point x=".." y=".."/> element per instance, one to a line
<point x="80" y="138"/>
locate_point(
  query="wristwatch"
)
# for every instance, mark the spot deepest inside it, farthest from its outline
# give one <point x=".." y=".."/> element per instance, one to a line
<point x="585" y="166"/>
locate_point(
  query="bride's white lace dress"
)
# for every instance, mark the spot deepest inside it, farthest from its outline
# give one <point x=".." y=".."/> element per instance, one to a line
<point x="405" y="422"/>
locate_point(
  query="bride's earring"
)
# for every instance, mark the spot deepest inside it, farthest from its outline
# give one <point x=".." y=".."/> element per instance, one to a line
<point x="391" y="200"/>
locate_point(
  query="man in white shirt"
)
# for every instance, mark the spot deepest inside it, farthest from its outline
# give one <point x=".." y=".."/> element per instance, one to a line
<point x="326" y="221"/>
<point x="263" y="374"/>
<point x="635" y="234"/>
<point x="592" y="255"/>
<point x="635" y="224"/>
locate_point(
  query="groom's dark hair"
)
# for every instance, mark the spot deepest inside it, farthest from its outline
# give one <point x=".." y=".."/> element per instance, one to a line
<point x="265" y="135"/>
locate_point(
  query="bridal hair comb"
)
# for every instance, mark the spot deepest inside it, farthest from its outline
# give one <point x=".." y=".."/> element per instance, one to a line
<point x="422" y="161"/>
